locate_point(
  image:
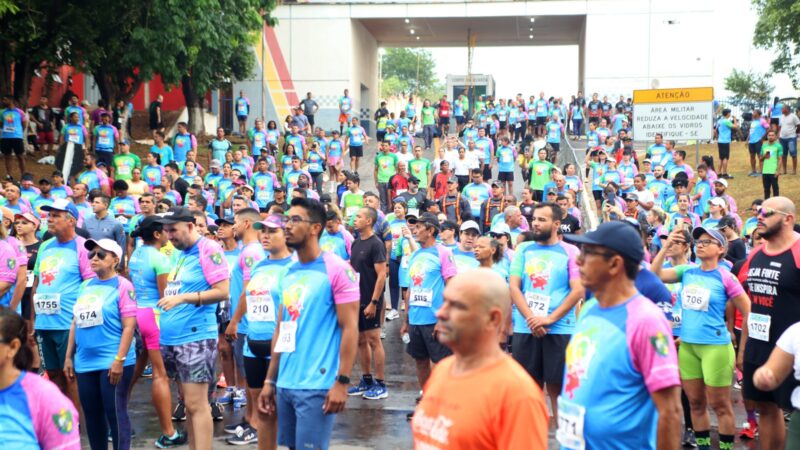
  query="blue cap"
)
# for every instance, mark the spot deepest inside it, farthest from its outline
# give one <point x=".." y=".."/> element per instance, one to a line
<point x="62" y="204"/>
<point x="713" y="232"/>
<point x="617" y="236"/>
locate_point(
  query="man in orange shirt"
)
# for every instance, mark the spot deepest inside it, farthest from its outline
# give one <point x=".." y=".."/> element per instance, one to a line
<point x="479" y="398"/>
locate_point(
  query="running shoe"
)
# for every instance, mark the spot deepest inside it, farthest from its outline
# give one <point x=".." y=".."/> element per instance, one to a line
<point x="378" y="391"/>
<point x="362" y="387"/>
<point x="228" y="397"/>
<point x="179" y="414"/>
<point x="216" y="411"/>
<point x="148" y="372"/>
<point x="392" y="314"/>
<point x="180" y="438"/>
<point x="232" y="428"/>
<point x="239" y="398"/>
<point x="243" y="436"/>
<point x="383" y="333"/>
<point x="688" y="438"/>
<point x="749" y="430"/>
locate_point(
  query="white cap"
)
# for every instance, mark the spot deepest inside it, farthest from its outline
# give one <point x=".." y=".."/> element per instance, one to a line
<point x="722" y="181"/>
<point x="108" y="245"/>
<point x="470" y="225"/>
<point x="718" y="201"/>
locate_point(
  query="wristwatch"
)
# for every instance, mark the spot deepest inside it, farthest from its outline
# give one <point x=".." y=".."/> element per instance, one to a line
<point x="344" y="379"/>
<point x="374" y="302"/>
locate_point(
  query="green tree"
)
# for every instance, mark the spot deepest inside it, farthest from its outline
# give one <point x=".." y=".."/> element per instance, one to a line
<point x="777" y="29"/>
<point x="413" y="68"/>
<point x="749" y="88"/>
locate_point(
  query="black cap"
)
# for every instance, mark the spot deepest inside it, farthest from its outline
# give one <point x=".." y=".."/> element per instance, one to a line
<point x="44" y="180"/>
<point x="452" y="180"/>
<point x="425" y="218"/>
<point x="325" y="198"/>
<point x="26" y="177"/>
<point x="177" y="214"/>
<point x="279" y="189"/>
<point x="146" y="224"/>
<point x="617" y="236"/>
<point x="680" y="182"/>
<point x="226" y="220"/>
<point x="413" y="179"/>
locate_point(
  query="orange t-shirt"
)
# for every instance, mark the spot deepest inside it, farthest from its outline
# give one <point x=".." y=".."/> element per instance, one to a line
<point x="496" y="407"/>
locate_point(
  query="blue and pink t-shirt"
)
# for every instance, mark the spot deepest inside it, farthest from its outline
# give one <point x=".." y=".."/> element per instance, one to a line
<point x="250" y="255"/>
<point x="98" y="313"/>
<point x="61" y="267"/>
<point x="181" y="145"/>
<point x="107" y="137"/>
<point x="428" y="269"/>
<point x="13" y="123"/>
<point x="703" y="297"/>
<point x="145" y="266"/>
<point x="36" y="415"/>
<point x="9" y="267"/>
<point x="94" y="179"/>
<point x="617" y="357"/>
<point x="264" y="184"/>
<point x="198" y="268"/>
<point x="338" y="243"/>
<point x="545" y="272"/>
<point x="464" y="260"/>
<point x="262" y="299"/>
<point x="309" y="293"/>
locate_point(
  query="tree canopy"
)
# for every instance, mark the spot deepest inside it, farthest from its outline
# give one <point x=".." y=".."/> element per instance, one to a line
<point x="777" y="29"/>
<point x="749" y="88"/>
<point x="409" y="71"/>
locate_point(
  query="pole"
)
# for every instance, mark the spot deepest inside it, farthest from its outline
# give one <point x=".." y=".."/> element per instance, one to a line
<point x="697" y="153"/>
<point x="263" y="63"/>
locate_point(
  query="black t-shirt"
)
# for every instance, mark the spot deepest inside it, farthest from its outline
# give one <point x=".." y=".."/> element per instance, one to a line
<point x="154" y="113"/>
<point x="569" y="225"/>
<point x="737" y="251"/>
<point x="773" y="284"/>
<point x="594" y="105"/>
<point x="284" y="206"/>
<point x="364" y="254"/>
<point x="33" y="252"/>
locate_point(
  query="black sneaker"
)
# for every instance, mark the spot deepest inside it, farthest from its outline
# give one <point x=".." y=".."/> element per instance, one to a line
<point x="179" y="414"/>
<point x="244" y="436"/>
<point x="216" y="411"/>
<point x="167" y="442"/>
<point x="232" y="428"/>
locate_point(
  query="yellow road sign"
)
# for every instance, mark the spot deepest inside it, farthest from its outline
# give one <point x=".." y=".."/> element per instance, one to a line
<point x="678" y="95"/>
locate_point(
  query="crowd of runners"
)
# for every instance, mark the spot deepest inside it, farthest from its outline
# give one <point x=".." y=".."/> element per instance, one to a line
<point x="254" y="276"/>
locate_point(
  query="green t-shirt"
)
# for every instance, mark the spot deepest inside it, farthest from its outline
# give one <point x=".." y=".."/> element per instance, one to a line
<point x="427" y="116"/>
<point x="352" y="202"/>
<point x="540" y="174"/>
<point x="420" y="168"/>
<point x="386" y="163"/>
<point x="770" y="165"/>
<point x="124" y="163"/>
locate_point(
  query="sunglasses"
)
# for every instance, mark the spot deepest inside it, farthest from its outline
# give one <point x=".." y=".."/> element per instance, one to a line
<point x="98" y="253"/>
<point x="769" y="212"/>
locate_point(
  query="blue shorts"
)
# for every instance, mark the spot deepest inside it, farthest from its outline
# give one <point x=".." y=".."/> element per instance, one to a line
<point x="301" y="422"/>
<point x="242" y="118"/>
<point x="789" y="146"/>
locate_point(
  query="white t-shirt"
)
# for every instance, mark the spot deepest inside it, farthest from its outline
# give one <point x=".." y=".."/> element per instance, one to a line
<point x="645" y="196"/>
<point x="474" y="158"/>
<point x="789" y="125"/>
<point x="461" y="167"/>
<point x="405" y="157"/>
<point x="790" y="343"/>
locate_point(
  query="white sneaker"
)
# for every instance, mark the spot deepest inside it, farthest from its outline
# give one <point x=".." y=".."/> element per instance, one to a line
<point x="392" y="314"/>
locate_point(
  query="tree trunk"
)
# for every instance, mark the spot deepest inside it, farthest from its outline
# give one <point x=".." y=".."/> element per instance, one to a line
<point x="23" y="76"/>
<point x="194" y="106"/>
<point x="121" y="85"/>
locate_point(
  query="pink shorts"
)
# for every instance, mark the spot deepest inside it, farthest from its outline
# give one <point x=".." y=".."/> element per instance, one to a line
<point x="147" y="319"/>
<point x="333" y="161"/>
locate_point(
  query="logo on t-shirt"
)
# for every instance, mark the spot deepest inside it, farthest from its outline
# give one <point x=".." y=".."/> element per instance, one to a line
<point x="12" y="263"/>
<point x="351" y="275"/>
<point x="248" y="261"/>
<point x="63" y="421"/>
<point x="660" y="344"/>
<point x="580" y="352"/>
<point x="216" y="258"/>
<point x="48" y="268"/>
<point x="538" y="269"/>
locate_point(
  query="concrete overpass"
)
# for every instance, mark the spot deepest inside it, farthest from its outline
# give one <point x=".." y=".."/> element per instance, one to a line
<point x="327" y="46"/>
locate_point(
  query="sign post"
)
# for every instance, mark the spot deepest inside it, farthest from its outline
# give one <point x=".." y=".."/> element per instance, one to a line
<point x="679" y="114"/>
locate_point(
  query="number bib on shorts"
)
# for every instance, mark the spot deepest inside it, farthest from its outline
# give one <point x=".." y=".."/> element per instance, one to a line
<point x="420" y="297"/>
<point x="260" y="308"/>
<point x="696" y="298"/>
<point x="758" y="326"/>
<point x="88" y="312"/>
<point x="570" y="424"/>
<point x="539" y="304"/>
<point x="47" y="304"/>
<point x="287" y="338"/>
<point x="173" y="288"/>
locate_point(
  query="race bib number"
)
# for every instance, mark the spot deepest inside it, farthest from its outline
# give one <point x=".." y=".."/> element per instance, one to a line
<point x="260" y="308"/>
<point x="350" y="211"/>
<point x="677" y="317"/>
<point x="570" y="424"/>
<point x="696" y="298"/>
<point x="47" y="304"/>
<point x="103" y="140"/>
<point x="539" y="304"/>
<point x="262" y="196"/>
<point x="9" y="128"/>
<point x="29" y="279"/>
<point x="758" y="326"/>
<point x="74" y="138"/>
<point x="122" y="220"/>
<point x="506" y="158"/>
<point x="88" y="312"/>
<point x="124" y="171"/>
<point x="286" y="337"/>
<point x="420" y="297"/>
<point x="242" y="109"/>
<point x="314" y="167"/>
<point x="173" y="288"/>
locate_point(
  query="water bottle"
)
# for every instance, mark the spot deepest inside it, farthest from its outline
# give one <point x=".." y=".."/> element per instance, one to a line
<point x="406" y="338"/>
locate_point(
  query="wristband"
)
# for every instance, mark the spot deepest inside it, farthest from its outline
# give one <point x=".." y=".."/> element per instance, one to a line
<point x="270" y="382"/>
<point x="117" y="358"/>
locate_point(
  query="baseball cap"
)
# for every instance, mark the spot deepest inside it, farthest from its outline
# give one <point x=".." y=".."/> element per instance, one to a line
<point x="325" y="198"/>
<point x="615" y="235"/>
<point x="717" y="201"/>
<point x="721" y="181"/>
<point x="146" y="224"/>
<point x="497" y="183"/>
<point x="631" y="197"/>
<point x="452" y="180"/>
<point x="279" y="189"/>
<point x="500" y="228"/>
<point x="177" y="214"/>
<point x="216" y="164"/>
<point x="647" y="161"/>
<point x="26" y="177"/>
<point x="552" y="191"/>
<point x="108" y="245"/>
<point x="413" y="179"/>
<point x="713" y="232"/>
<point x="425" y="218"/>
<point x="680" y="182"/>
<point x="27" y="216"/>
<point x="62" y="204"/>
<point x="470" y="225"/>
<point x="272" y="221"/>
<point x="226" y="220"/>
<point x="44" y="181"/>
<point x="449" y="225"/>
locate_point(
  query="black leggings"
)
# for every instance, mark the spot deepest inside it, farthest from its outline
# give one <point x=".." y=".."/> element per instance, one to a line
<point x="770" y="182"/>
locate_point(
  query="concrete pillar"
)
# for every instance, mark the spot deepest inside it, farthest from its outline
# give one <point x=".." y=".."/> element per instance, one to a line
<point x="582" y="57"/>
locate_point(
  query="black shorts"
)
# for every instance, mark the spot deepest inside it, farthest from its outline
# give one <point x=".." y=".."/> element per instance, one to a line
<point x="242" y="118"/>
<point x="775" y="121"/>
<point x="531" y="123"/>
<point x="724" y="150"/>
<point x="505" y="176"/>
<point x="310" y="118"/>
<point x="755" y="147"/>
<point x="487" y="172"/>
<point x="27" y="306"/>
<point x="380" y="135"/>
<point x="356" y="151"/>
<point x="460" y="120"/>
<point x="543" y="358"/>
<point x="255" y="368"/>
<point x="598" y="195"/>
<point x="8" y="146"/>
<point x="444" y="121"/>
<point x="365" y="324"/>
<point x="782" y="396"/>
<point x="541" y="120"/>
<point x="424" y="345"/>
<point x="503" y="124"/>
<point x="555" y="146"/>
<point x="105" y="158"/>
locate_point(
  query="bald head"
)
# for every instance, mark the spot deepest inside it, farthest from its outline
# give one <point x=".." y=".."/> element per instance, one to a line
<point x="781" y="204"/>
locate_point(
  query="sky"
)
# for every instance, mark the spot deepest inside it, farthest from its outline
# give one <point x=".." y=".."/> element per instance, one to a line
<point x="736" y="22"/>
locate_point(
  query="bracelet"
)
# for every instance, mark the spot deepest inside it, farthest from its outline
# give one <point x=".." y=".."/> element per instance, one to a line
<point x="270" y="382"/>
<point x="117" y="358"/>
<point x="199" y="301"/>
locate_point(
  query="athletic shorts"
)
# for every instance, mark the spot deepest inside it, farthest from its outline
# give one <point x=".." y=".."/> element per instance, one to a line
<point x="310" y="118"/>
<point x="754" y="147"/>
<point x="365" y="324"/>
<point x="556" y="146"/>
<point x="487" y="172"/>
<point x="147" y="321"/>
<point x="711" y="363"/>
<point x="104" y="157"/>
<point x="53" y="345"/>
<point x="598" y="195"/>
<point x="356" y="151"/>
<point x="424" y="345"/>
<point x="781" y="396"/>
<point x="192" y="362"/>
<point x="344" y="118"/>
<point x="242" y="118"/>
<point x="9" y="146"/>
<point x="45" y="137"/>
<point x="505" y="176"/>
<point x="775" y="121"/>
<point x="543" y="357"/>
<point x="255" y="367"/>
<point x="503" y="124"/>
<point x="301" y="422"/>
<point x="531" y="123"/>
<point x="444" y="121"/>
<point x="460" y="120"/>
<point x="724" y="150"/>
<point x="541" y="120"/>
<point x="333" y="161"/>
